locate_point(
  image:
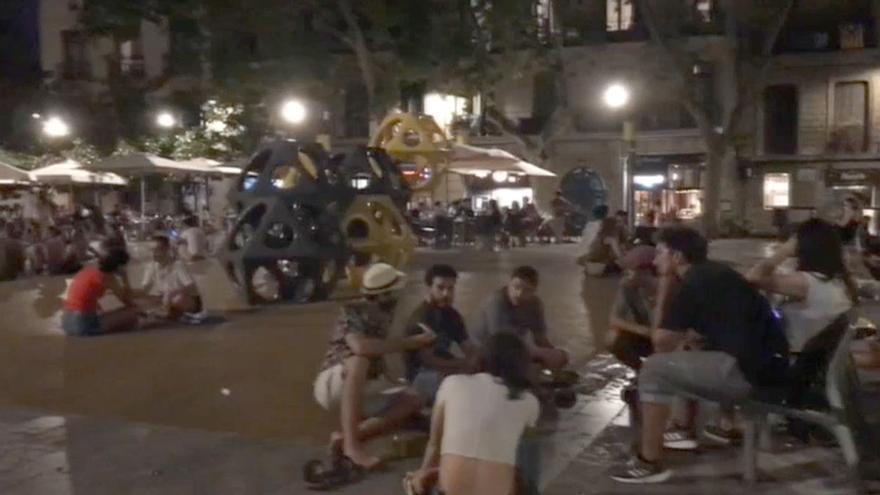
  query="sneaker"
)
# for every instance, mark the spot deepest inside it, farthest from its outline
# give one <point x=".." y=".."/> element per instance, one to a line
<point x="637" y="471"/>
<point x="725" y="437"/>
<point x="678" y="439"/>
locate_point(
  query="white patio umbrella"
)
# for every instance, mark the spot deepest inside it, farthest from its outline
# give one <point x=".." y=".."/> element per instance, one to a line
<point x="70" y="172"/>
<point x="473" y="160"/>
<point x="143" y="164"/>
<point x="13" y="176"/>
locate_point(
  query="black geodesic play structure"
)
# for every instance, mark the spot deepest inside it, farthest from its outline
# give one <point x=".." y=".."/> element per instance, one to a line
<point x="304" y="217"/>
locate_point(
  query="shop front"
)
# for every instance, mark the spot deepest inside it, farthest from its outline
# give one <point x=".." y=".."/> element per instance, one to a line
<point x="668" y="186"/>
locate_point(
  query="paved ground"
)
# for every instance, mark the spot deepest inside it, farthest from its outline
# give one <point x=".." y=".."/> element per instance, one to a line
<point x="228" y="408"/>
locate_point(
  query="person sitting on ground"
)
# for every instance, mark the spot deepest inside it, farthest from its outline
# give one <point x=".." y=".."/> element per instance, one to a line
<point x="736" y="343"/>
<point x="629" y="326"/>
<point x="351" y="377"/>
<point x="55" y="253"/>
<point x="82" y="314"/>
<point x="193" y="242"/>
<point x="476" y="426"/>
<point x="168" y="286"/>
<point x="517" y="309"/>
<point x="426" y="368"/>
<point x="821" y="285"/>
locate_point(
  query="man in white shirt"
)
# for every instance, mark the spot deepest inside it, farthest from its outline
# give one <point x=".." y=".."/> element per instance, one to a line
<point x="169" y="285"/>
<point x="193" y="242"/>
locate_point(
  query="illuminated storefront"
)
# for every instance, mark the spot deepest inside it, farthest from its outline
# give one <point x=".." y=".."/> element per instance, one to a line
<point x="668" y="185"/>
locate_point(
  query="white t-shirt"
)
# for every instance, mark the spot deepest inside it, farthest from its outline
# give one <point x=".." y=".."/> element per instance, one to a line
<point x="196" y="242"/>
<point x="480" y="421"/>
<point x="826" y="300"/>
<point x="169" y="278"/>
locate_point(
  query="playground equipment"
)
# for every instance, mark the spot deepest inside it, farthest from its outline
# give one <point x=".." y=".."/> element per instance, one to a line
<point x="306" y="220"/>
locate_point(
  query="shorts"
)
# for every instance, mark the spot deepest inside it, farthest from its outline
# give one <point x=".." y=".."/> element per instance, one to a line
<point x="378" y="396"/>
<point x="426" y="384"/>
<point x="709" y="375"/>
<point x="80" y="324"/>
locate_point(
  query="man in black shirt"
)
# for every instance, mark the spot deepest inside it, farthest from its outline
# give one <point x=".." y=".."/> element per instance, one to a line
<point x="717" y="339"/>
<point x="427" y="367"/>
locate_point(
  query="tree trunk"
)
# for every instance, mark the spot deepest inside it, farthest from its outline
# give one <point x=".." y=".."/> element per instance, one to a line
<point x="362" y="54"/>
<point x="712" y="198"/>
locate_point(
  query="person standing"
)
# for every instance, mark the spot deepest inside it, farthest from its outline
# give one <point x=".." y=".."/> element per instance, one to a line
<point x="193" y="241"/>
<point x="476" y="425"/>
<point x="352" y="376"/>
<point x="426" y="368"/>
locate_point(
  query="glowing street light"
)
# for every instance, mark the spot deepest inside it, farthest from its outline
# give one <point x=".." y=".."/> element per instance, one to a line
<point x="616" y="96"/>
<point x="55" y="127"/>
<point x="166" y="120"/>
<point x="293" y="112"/>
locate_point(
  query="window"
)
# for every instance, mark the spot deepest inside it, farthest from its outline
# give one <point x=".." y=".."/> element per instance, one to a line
<point x="619" y="15"/>
<point x="545" y="18"/>
<point x="849" y="134"/>
<point x="75" y="64"/>
<point x="703" y="10"/>
<point x="780" y="119"/>
<point x="777" y="190"/>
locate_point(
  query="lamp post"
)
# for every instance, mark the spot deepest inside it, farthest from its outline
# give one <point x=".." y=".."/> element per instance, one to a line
<point x="616" y="97"/>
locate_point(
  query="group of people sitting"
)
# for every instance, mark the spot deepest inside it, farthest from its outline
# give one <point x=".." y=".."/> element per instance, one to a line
<point x="693" y="329"/>
<point x="483" y="385"/>
<point x="690" y="327"/>
<point x="168" y="292"/>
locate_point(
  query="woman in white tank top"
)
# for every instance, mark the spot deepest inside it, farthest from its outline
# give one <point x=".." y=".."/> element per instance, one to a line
<point x="477" y="424"/>
<point x="821" y="285"/>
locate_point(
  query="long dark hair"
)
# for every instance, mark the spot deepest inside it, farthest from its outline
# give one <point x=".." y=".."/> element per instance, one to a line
<point x="506" y="357"/>
<point x="820" y="250"/>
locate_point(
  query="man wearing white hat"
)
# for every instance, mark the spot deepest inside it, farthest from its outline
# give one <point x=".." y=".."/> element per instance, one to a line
<point x="352" y="376"/>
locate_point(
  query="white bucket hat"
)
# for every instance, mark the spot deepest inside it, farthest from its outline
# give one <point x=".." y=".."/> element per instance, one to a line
<point x="382" y="277"/>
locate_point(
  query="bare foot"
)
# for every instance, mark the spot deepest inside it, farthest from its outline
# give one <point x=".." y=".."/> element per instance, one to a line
<point x="362" y="458"/>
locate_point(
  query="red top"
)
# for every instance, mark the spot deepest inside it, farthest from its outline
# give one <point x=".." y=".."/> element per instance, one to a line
<point x="85" y="290"/>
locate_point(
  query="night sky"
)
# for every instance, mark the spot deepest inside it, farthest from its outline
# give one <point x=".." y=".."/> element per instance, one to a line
<point x="19" y="40"/>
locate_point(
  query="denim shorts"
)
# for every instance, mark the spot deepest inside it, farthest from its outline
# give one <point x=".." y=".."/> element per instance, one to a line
<point x="80" y="324"/>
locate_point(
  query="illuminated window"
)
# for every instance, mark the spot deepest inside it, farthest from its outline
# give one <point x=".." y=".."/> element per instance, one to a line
<point x="703" y="10"/>
<point x="777" y="189"/>
<point x="444" y="108"/>
<point x="619" y="15"/>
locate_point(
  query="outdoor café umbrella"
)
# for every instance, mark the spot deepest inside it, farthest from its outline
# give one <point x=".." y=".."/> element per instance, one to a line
<point x="70" y="172"/>
<point x="473" y="160"/>
<point x="13" y="176"/>
<point x="143" y="164"/>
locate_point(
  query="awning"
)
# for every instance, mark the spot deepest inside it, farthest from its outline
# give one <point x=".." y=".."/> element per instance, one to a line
<point x="472" y="160"/>
<point x="71" y="172"/>
<point x="213" y="165"/>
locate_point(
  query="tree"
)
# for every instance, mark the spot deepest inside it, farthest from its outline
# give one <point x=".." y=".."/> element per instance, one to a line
<point x="751" y="30"/>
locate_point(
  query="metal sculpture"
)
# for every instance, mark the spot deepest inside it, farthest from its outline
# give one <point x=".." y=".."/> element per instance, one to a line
<point x="418" y="144"/>
<point x="584" y="188"/>
<point x="304" y="216"/>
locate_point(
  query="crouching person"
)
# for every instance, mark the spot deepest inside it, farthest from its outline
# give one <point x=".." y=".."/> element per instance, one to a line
<point x="352" y="377"/>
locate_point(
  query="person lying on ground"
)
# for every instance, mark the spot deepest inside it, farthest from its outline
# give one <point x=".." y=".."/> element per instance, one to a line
<point x="352" y="376"/>
<point x="476" y="425"/>
<point x="426" y="368"/>
<point x="734" y="340"/>
<point x="82" y="314"/>
<point x="516" y="308"/>
<point x="168" y="287"/>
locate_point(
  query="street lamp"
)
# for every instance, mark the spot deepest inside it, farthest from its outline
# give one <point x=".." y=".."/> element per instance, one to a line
<point x="293" y="112"/>
<point x="616" y="96"/>
<point x="55" y="127"/>
<point x="166" y="120"/>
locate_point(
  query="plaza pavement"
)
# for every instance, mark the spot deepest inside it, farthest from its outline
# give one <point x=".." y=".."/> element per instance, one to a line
<point x="227" y="409"/>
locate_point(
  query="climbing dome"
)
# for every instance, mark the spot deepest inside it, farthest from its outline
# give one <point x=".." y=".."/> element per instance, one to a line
<point x="305" y="217"/>
<point x="418" y="144"/>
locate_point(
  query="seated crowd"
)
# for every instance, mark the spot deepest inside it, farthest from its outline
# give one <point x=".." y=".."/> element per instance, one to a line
<point x="692" y="329"/>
